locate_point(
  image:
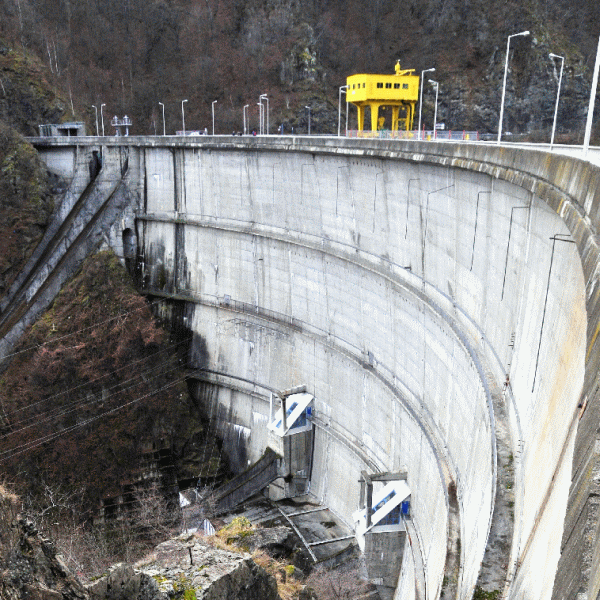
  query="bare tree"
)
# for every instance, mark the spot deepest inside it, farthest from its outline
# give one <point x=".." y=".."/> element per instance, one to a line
<point x="152" y="514"/>
<point x="337" y="584"/>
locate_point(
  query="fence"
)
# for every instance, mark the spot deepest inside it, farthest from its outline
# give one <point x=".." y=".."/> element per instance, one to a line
<point x="387" y="134"/>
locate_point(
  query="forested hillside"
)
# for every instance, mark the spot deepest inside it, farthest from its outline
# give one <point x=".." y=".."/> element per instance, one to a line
<point x="133" y="54"/>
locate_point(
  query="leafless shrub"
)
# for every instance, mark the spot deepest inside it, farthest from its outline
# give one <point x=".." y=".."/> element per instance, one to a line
<point x="88" y="550"/>
<point x="337" y="584"/>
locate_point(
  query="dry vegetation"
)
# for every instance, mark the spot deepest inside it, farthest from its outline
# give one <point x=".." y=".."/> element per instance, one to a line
<point x="94" y="385"/>
<point x="298" y="52"/>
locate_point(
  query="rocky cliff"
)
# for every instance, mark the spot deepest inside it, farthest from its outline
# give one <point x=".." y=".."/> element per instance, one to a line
<point x="183" y="568"/>
<point x="188" y="568"/>
<point x="29" y="564"/>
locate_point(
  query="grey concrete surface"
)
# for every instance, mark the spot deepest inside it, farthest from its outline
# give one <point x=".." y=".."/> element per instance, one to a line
<point x="438" y="300"/>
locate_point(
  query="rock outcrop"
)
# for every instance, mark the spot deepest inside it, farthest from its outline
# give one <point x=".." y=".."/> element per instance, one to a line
<point x="184" y="568"/>
<point x="30" y="567"/>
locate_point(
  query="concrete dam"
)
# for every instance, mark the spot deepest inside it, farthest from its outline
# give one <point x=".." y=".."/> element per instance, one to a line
<point x="438" y="302"/>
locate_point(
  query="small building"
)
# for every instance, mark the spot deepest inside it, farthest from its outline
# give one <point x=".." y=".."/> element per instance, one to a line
<point x="73" y="129"/>
<point x="399" y="91"/>
<point x="291" y="438"/>
<point x="380" y="527"/>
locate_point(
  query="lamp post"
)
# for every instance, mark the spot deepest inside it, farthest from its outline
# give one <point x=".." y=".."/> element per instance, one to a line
<point x="213" y="116"/>
<point x="96" y="110"/>
<point x="183" y="115"/>
<point x="522" y="33"/>
<point x="562" y="64"/>
<point x="260" y="117"/>
<point x="308" y="107"/>
<point x="264" y="97"/>
<point x="343" y="90"/>
<point x="421" y="96"/>
<point x="102" y="118"/>
<point x="590" y="115"/>
<point x="245" y="119"/>
<point x="163" y="115"/>
<point x="437" y="87"/>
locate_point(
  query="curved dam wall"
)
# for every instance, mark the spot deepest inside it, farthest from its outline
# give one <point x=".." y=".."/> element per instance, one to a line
<point x="439" y="302"/>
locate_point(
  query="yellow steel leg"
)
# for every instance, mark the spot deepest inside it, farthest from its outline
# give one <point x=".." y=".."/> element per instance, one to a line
<point x="395" y="111"/>
<point x="374" y="115"/>
<point x="410" y="113"/>
<point x="360" y="117"/>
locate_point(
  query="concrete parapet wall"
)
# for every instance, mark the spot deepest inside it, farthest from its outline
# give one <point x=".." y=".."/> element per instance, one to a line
<point x="430" y="297"/>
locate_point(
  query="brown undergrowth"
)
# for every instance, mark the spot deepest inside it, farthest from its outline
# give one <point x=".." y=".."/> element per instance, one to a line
<point x="91" y="387"/>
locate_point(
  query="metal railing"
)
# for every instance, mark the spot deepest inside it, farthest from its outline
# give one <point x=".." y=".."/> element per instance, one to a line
<point x="440" y="134"/>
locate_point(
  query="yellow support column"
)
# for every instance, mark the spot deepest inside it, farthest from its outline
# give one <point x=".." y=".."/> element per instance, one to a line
<point x="410" y="116"/>
<point x="374" y="115"/>
<point x="360" y="117"/>
<point x="395" y="111"/>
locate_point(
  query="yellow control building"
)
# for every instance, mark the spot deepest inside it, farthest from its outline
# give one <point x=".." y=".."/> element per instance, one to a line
<point x="400" y="91"/>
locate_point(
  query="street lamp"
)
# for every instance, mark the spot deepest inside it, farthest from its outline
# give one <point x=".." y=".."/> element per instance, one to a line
<point x="163" y="113"/>
<point x="523" y="33"/>
<point x="96" y="110"/>
<point x="102" y="118"/>
<point x="437" y="87"/>
<point x="245" y="119"/>
<point x="183" y="115"/>
<point x="308" y="107"/>
<point x="421" y="96"/>
<point x="343" y="90"/>
<point x="264" y="97"/>
<point x="260" y="117"/>
<point x="590" y="115"/>
<point x="562" y="64"/>
<point x="213" y="115"/>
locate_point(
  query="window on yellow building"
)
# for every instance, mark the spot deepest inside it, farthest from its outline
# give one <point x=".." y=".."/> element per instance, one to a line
<point x="379" y="85"/>
<point x="388" y="86"/>
<point x="396" y="86"/>
<point x="405" y="86"/>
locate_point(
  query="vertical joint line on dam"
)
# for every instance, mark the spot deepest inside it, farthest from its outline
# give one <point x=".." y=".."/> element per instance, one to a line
<point x="558" y="237"/>
<point x="475" y="230"/>
<point x="375" y="197"/>
<point x="408" y="204"/>
<point x="508" y="245"/>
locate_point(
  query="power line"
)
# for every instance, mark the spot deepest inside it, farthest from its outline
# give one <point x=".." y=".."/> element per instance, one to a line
<point x="97" y="379"/>
<point x="67" y="335"/>
<point x="75" y="406"/>
<point x="42" y="440"/>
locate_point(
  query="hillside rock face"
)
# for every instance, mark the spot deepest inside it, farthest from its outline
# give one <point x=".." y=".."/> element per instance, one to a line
<point x="181" y="568"/>
<point x="143" y="52"/>
<point x="29" y="565"/>
<point x="186" y="567"/>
